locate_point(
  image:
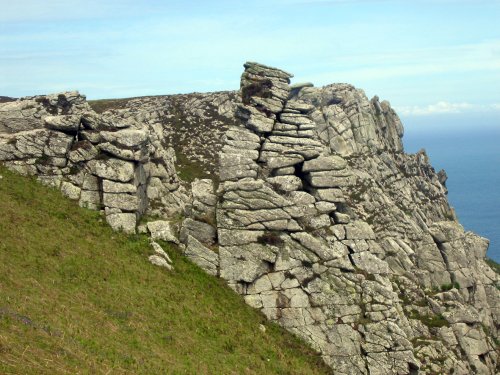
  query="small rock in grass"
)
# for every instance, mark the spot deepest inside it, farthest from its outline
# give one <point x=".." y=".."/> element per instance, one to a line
<point x="159" y="261"/>
<point x="161" y="230"/>
<point x="160" y="252"/>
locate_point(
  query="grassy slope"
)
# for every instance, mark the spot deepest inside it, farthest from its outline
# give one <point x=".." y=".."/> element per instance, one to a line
<point x="76" y="297"/>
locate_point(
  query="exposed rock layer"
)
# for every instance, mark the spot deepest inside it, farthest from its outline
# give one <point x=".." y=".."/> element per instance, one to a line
<point x="114" y="164"/>
<point x="319" y="219"/>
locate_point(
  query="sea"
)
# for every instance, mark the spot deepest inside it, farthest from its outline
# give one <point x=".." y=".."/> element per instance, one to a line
<point x="470" y="155"/>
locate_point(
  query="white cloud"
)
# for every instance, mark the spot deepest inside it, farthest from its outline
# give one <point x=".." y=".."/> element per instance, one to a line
<point x="443" y="107"/>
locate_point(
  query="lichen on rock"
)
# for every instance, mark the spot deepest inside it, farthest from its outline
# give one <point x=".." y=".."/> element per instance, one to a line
<point x="301" y="198"/>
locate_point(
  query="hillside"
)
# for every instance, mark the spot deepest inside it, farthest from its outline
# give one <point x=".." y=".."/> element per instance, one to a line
<point x="77" y="297"/>
<point x="308" y="207"/>
<point x="6" y="99"/>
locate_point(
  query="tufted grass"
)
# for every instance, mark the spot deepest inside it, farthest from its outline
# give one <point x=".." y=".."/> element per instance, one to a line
<point x="77" y="298"/>
<point x="103" y="105"/>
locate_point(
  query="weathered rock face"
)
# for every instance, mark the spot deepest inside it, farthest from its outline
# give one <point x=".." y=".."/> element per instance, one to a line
<point x="309" y="208"/>
<point x="29" y="113"/>
<point x="331" y="230"/>
<point x="286" y="253"/>
<point x="192" y="124"/>
<point x="118" y="165"/>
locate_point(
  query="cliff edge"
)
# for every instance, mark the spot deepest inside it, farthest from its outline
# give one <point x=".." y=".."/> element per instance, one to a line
<point x="301" y="198"/>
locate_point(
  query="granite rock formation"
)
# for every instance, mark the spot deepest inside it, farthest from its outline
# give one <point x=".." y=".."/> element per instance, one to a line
<point x="307" y="206"/>
<point x="113" y="164"/>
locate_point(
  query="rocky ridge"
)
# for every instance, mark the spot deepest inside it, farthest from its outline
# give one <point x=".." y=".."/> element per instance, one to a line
<point x="315" y="214"/>
<point x="113" y="164"/>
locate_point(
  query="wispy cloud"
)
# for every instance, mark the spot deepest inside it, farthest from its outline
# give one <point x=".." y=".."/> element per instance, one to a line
<point x="388" y="48"/>
<point x="463" y="58"/>
<point x="444" y="107"/>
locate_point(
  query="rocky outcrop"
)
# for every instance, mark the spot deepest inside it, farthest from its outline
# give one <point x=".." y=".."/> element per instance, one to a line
<point x="117" y="165"/>
<point x="287" y="248"/>
<point x="306" y="204"/>
<point x="29" y="113"/>
<point x="331" y="230"/>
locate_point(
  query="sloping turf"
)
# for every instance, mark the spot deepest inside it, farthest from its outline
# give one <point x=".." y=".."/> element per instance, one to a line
<point x="76" y="297"/>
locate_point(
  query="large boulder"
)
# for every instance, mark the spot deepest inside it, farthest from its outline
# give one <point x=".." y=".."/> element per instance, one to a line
<point x="202" y="256"/>
<point x="114" y="169"/>
<point x="65" y="123"/>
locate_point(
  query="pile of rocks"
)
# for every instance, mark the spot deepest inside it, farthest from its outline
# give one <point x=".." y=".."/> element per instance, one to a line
<point x="349" y="123"/>
<point x="28" y="113"/>
<point x="191" y="124"/>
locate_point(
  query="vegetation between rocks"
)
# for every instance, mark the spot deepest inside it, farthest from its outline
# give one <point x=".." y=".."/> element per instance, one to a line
<point x="494" y="265"/>
<point x="432" y="321"/>
<point x="103" y="105"/>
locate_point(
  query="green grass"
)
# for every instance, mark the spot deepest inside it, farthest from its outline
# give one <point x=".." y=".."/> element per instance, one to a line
<point x="102" y="105"/>
<point x="188" y="170"/>
<point x="494" y="265"/>
<point x="447" y="287"/>
<point x="431" y="321"/>
<point x="76" y="297"/>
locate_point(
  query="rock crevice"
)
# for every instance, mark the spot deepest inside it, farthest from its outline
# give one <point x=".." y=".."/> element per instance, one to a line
<point x="305" y="204"/>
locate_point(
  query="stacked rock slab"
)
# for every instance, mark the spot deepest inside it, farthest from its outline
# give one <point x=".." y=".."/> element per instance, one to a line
<point x="287" y="249"/>
<point x="388" y="205"/>
<point x="439" y="268"/>
<point x="101" y="163"/>
<point x="198" y="232"/>
<point x="320" y="220"/>
<point x="28" y="113"/>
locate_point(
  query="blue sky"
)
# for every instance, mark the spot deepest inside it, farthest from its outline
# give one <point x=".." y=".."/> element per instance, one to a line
<point x="428" y="58"/>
